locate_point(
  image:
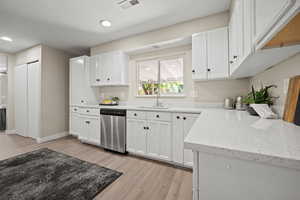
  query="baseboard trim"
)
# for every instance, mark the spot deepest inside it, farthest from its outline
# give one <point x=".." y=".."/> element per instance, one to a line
<point x="10" y="131"/>
<point x="52" y="137"/>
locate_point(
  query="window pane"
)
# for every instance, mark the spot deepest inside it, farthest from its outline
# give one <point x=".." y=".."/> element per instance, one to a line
<point x="171" y="76"/>
<point x="148" y="77"/>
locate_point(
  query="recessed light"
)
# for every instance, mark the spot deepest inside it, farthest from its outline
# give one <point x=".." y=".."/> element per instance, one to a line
<point x="7" y="39"/>
<point x="105" y="23"/>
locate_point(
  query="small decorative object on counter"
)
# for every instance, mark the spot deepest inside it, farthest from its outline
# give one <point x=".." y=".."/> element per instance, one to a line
<point x="113" y="101"/>
<point x="261" y="96"/>
<point x="229" y="104"/>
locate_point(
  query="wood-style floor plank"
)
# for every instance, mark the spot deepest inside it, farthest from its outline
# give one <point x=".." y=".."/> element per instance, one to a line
<point x="142" y="179"/>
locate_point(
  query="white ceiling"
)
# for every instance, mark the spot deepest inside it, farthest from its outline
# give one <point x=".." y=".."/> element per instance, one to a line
<point x="72" y="25"/>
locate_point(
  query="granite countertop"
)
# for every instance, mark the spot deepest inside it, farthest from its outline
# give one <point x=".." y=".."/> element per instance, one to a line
<point x="239" y="135"/>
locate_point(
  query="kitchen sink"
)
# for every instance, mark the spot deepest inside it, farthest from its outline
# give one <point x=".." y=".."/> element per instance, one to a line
<point x="153" y="107"/>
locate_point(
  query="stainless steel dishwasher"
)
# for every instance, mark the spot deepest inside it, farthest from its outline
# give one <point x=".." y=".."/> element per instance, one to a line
<point x="113" y="129"/>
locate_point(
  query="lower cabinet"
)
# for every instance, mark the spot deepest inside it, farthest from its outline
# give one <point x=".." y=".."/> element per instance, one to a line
<point x="90" y="129"/>
<point x="137" y="136"/>
<point x="150" y="138"/>
<point x="85" y="126"/>
<point x="182" y="123"/>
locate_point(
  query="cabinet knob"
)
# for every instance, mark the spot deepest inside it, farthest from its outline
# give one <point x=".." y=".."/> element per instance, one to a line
<point x="82" y="101"/>
<point x="135" y="114"/>
<point x="87" y="111"/>
<point x="193" y="71"/>
<point x="87" y="122"/>
<point x="184" y="118"/>
<point x="178" y="117"/>
<point x="75" y="109"/>
<point x="157" y="116"/>
<point x="235" y="57"/>
<point x="208" y="70"/>
<point x="144" y="128"/>
<point x="108" y="79"/>
<point x="231" y="62"/>
<point x="147" y="128"/>
<point x="97" y="79"/>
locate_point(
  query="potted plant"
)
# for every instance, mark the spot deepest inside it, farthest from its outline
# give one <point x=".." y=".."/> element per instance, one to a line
<point x="115" y="100"/>
<point x="261" y="96"/>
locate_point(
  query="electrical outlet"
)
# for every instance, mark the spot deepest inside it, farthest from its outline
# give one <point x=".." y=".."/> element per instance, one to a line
<point x="286" y="85"/>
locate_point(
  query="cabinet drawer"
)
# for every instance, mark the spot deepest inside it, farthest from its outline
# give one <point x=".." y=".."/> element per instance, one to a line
<point x="159" y="116"/>
<point x="136" y="114"/>
<point x="90" y="111"/>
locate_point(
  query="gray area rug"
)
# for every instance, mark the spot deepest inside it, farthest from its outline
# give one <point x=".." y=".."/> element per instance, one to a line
<point x="47" y="175"/>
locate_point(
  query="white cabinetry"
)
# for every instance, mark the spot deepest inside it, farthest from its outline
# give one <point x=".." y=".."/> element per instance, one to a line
<point x="109" y="69"/>
<point x="182" y="123"/>
<point x="80" y="91"/>
<point x="149" y="135"/>
<point x="28" y="99"/>
<point x="210" y="54"/>
<point x="253" y="23"/>
<point x="85" y="123"/>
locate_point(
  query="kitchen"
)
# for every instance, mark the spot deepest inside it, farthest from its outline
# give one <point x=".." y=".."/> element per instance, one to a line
<point x="167" y="98"/>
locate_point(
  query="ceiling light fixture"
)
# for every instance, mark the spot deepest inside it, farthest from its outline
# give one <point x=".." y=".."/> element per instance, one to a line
<point x="105" y="23"/>
<point x="7" y="39"/>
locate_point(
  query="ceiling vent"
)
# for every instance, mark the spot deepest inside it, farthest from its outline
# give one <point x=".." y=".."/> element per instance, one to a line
<point x="125" y="4"/>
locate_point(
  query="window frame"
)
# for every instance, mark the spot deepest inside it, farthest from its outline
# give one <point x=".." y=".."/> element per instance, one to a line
<point x="158" y="60"/>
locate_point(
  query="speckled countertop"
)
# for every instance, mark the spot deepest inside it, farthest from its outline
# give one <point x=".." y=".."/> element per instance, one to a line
<point x="237" y="134"/>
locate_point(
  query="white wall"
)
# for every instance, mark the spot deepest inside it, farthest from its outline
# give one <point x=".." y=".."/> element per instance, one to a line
<point x="196" y="92"/>
<point x="55" y="91"/>
<point x="277" y="75"/>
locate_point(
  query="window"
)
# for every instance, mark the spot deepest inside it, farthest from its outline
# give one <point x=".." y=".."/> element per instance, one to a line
<point x="160" y="77"/>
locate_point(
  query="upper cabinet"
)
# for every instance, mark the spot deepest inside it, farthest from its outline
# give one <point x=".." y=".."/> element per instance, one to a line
<point x="109" y="69"/>
<point x="253" y="24"/>
<point x="3" y="63"/>
<point x="210" y="55"/>
<point x="80" y="91"/>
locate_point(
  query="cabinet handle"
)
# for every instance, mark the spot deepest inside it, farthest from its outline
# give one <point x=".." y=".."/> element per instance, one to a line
<point x="135" y="114"/>
<point x="178" y="117"/>
<point x="144" y="128"/>
<point x="75" y="109"/>
<point x="208" y="70"/>
<point x="87" y="122"/>
<point x="157" y="116"/>
<point x="235" y="57"/>
<point x="231" y="62"/>
<point x="108" y="79"/>
<point x="184" y="118"/>
<point x="82" y="101"/>
<point x="97" y="79"/>
<point x="87" y="111"/>
<point x="148" y="128"/>
<point x="193" y="71"/>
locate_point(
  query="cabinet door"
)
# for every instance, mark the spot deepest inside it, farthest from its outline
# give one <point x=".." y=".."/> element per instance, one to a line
<point x="75" y="124"/>
<point x="217" y="45"/>
<point x="136" y="136"/>
<point x="21" y="109"/>
<point x="77" y="81"/>
<point x="267" y="13"/>
<point x="95" y="70"/>
<point x="199" y="56"/>
<point x="93" y="130"/>
<point x="106" y="62"/>
<point x="34" y="98"/>
<point x="83" y="129"/>
<point x="188" y="122"/>
<point x="159" y="140"/>
<point x="177" y="138"/>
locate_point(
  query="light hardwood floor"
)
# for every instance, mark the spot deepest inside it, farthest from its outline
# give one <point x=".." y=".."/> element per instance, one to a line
<point x="142" y="179"/>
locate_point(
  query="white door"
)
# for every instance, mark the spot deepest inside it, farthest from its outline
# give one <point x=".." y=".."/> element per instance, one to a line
<point x="94" y="130"/>
<point x="177" y="138"/>
<point x="21" y="104"/>
<point x="217" y="45"/>
<point x="199" y="56"/>
<point x="34" y="99"/>
<point x="159" y="140"/>
<point x="136" y="136"/>
<point x="188" y="122"/>
<point x="77" y="81"/>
